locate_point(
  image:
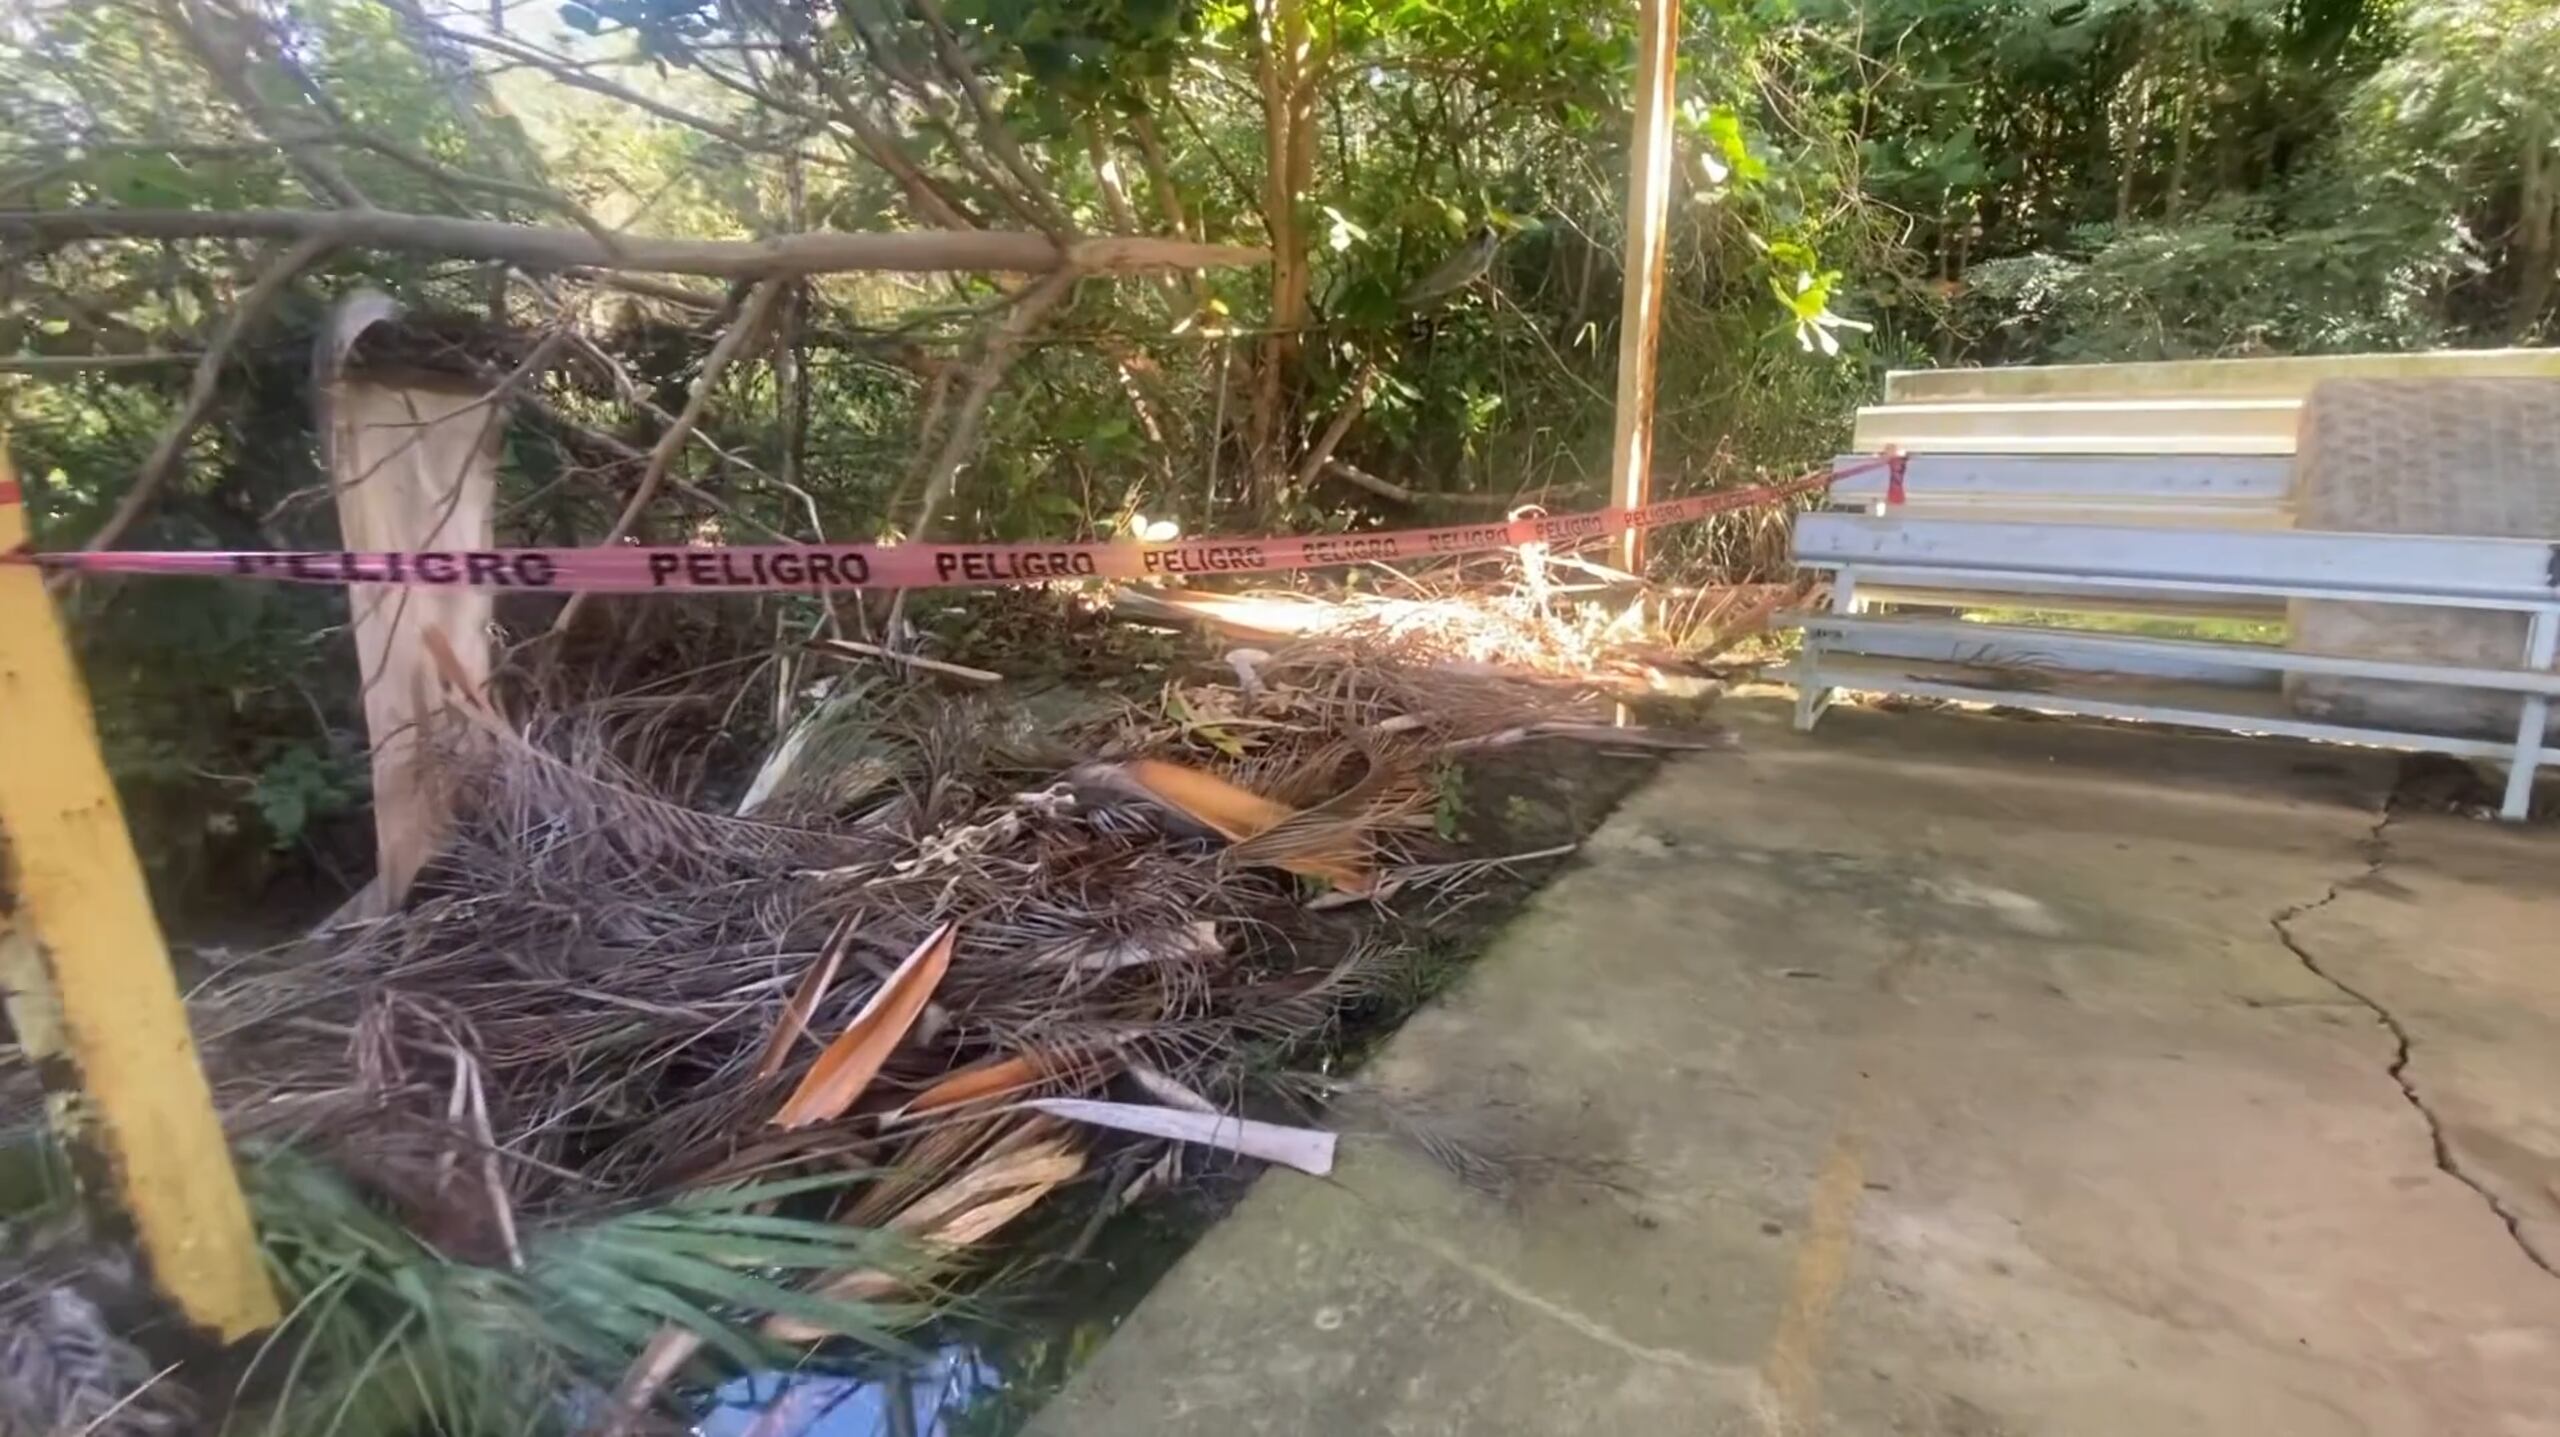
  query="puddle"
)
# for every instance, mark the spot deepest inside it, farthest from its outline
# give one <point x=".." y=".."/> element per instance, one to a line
<point x="986" y="1376"/>
<point x="938" y="1399"/>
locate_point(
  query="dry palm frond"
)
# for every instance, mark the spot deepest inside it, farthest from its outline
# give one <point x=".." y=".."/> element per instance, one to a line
<point x="855" y="1058"/>
<point x="1263" y="831"/>
<point x="1000" y="1077"/>
<point x="804" y="1001"/>
<point x="968" y="1209"/>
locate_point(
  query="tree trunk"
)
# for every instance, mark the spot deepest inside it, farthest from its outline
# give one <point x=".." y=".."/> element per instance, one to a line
<point x="2137" y="104"/>
<point x="1288" y="154"/>
<point x="2182" y="121"/>
<point x="2537" y="227"/>
<point x="790" y="350"/>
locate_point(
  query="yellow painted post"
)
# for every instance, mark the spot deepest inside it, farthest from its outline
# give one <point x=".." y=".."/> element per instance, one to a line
<point x="1647" y="219"/>
<point x="87" y="978"/>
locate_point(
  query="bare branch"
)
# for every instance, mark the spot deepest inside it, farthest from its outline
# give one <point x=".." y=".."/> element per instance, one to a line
<point x="550" y="415"/>
<point x="245" y="314"/>
<point x="991" y="124"/>
<point x="538" y="247"/>
<point x="223" y="42"/>
<point x="1001" y="347"/>
<point x="662" y="454"/>
<point x="675" y="294"/>
<point x="925" y="195"/>
<point x="749" y="322"/>
<point x="75" y="363"/>
<point x="531" y="194"/>
<point x="1325" y="444"/>
<point x="636" y="395"/>
<point x="1168" y="198"/>
<point x="1159" y="173"/>
<point x="577" y="77"/>
<point x="1360" y="478"/>
<point x="1106" y="176"/>
<point x="848" y="648"/>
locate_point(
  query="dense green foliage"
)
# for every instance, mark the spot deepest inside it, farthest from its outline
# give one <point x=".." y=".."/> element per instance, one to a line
<point x="1860" y="182"/>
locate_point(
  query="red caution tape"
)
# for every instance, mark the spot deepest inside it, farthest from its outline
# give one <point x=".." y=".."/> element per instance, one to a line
<point x="635" y="569"/>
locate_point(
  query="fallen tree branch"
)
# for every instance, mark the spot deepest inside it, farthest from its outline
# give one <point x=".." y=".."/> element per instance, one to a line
<point x="536" y="195"/>
<point x="694" y="299"/>
<point x="662" y="454"/>
<point x="252" y="306"/>
<point x="1388" y="489"/>
<point x="850" y="649"/>
<point x="539" y="247"/>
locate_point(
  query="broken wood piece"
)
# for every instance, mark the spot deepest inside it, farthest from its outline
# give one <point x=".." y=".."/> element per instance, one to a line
<point x="647" y="1376"/>
<point x="849" y="1064"/>
<point x="949" y="1215"/>
<point x="1309" y="1150"/>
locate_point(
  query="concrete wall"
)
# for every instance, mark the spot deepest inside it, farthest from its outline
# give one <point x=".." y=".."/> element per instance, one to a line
<point x="2284" y="378"/>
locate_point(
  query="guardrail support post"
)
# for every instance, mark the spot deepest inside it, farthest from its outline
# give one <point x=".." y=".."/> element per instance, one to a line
<point x="87" y="981"/>
<point x="2541" y="646"/>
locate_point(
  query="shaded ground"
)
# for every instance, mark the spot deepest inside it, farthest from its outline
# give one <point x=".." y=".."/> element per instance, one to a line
<point x="1940" y="1075"/>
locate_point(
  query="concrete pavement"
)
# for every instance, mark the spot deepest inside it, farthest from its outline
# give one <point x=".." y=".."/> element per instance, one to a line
<point x="1936" y="1074"/>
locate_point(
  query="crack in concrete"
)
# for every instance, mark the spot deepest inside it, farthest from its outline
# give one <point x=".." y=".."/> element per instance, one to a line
<point x="1573" y="1318"/>
<point x="2378" y="854"/>
<point x="1560" y="1313"/>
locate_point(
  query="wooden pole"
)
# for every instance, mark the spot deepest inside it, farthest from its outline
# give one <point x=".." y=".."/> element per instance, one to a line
<point x="86" y="977"/>
<point x="1647" y="217"/>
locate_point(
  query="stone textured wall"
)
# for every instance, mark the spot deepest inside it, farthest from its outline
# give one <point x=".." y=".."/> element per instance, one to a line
<point x="2439" y="456"/>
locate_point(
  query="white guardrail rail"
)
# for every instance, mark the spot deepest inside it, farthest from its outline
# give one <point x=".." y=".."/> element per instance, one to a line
<point x="2178" y="681"/>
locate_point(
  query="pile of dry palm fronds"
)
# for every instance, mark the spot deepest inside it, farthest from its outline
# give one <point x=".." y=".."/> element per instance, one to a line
<point x="924" y="967"/>
<point x="1591" y="633"/>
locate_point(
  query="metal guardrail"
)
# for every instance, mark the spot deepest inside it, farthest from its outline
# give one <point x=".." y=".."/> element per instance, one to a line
<point x="2435" y="571"/>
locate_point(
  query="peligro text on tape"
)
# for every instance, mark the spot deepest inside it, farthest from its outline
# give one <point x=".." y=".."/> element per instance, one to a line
<point x="828" y="567"/>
